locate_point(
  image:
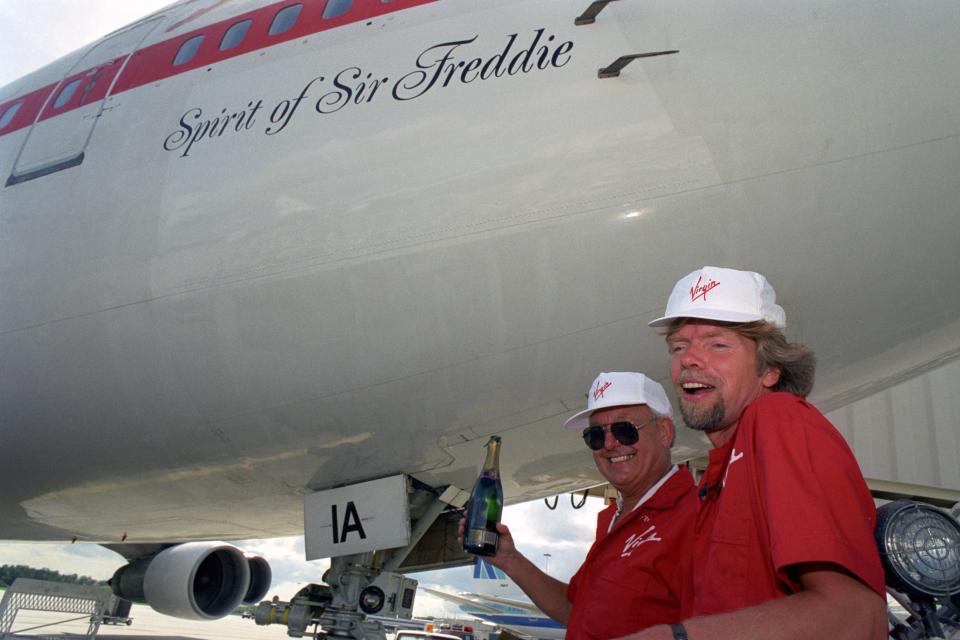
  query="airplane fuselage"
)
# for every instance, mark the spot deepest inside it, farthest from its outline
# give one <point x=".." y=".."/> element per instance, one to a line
<point x="359" y="247"/>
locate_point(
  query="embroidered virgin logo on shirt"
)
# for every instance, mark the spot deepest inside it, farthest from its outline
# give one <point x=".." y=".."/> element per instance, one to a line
<point x="734" y="456"/>
<point x="635" y="540"/>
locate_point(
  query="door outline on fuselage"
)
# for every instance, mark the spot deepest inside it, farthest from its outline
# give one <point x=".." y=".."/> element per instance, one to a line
<point x="39" y="154"/>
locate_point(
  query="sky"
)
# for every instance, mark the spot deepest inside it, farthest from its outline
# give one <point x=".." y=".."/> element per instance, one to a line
<point x="565" y="534"/>
<point x="36" y="32"/>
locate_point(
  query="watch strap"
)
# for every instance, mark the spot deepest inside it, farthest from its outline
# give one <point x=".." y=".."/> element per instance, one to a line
<point x="679" y="632"/>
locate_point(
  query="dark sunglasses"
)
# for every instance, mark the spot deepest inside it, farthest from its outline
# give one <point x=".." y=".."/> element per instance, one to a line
<point x="625" y="432"/>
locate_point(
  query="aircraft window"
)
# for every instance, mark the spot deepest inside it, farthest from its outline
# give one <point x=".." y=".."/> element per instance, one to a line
<point x="234" y="35"/>
<point x="285" y="19"/>
<point x="188" y="50"/>
<point x="336" y="8"/>
<point x="8" y="114"/>
<point x="66" y="93"/>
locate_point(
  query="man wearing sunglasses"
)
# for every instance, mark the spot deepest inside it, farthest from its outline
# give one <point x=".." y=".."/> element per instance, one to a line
<point x="635" y="572"/>
<point x="783" y="543"/>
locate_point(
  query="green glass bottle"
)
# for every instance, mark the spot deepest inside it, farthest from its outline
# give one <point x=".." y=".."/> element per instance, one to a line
<point x="480" y="535"/>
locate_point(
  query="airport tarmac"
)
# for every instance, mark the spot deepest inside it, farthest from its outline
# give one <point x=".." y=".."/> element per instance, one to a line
<point x="147" y="623"/>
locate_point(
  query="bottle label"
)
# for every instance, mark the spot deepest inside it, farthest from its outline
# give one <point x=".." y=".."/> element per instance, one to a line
<point x="481" y="537"/>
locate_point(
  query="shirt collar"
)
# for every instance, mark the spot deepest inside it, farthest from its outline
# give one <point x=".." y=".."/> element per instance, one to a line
<point x="649" y="494"/>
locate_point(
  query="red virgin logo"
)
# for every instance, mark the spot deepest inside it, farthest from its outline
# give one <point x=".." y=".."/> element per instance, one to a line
<point x="598" y="392"/>
<point x="700" y="290"/>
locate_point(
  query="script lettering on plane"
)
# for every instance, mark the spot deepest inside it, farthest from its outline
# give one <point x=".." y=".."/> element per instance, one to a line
<point x="437" y="67"/>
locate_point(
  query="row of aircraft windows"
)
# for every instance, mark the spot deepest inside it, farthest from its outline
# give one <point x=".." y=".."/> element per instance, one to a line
<point x="282" y="22"/>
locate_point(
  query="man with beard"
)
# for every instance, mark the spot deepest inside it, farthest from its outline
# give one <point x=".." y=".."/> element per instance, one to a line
<point x="783" y="543"/>
<point x="635" y="574"/>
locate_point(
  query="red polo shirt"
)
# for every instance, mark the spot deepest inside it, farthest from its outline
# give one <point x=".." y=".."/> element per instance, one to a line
<point x="785" y="490"/>
<point x="633" y="576"/>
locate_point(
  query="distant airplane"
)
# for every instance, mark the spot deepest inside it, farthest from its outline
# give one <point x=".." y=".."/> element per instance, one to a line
<point x="277" y="268"/>
<point x="499" y="601"/>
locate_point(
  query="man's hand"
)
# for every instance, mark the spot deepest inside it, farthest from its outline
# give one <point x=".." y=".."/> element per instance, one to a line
<point x="832" y="604"/>
<point x="547" y="593"/>
<point x="507" y="554"/>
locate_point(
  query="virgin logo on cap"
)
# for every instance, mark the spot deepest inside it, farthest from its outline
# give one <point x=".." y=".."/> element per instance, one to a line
<point x="700" y="291"/>
<point x="598" y="392"/>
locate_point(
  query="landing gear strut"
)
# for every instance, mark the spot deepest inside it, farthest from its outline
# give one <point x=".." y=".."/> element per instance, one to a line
<point x="359" y="584"/>
<point x="334" y="607"/>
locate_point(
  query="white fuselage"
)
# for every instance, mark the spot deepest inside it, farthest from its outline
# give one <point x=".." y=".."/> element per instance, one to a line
<point x="373" y="256"/>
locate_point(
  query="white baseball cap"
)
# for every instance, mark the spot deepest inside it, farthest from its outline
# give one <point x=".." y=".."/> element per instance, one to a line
<point x="618" y="389"/>
<point x="725" y="295"/>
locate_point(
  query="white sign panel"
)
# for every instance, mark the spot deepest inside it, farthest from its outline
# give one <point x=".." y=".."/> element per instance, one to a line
<point x="356" y="519"/>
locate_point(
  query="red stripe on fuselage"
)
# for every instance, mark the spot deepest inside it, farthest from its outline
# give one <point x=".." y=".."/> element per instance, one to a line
<point x="155" y="62"/>
<point x="93" y="87"/>
<point x="30" y="107"/>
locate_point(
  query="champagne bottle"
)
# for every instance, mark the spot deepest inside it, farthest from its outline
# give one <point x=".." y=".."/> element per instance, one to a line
<point x="480" y="535"/>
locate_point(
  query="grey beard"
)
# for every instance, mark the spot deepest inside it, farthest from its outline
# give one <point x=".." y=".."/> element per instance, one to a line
<point x="706" y="420"/>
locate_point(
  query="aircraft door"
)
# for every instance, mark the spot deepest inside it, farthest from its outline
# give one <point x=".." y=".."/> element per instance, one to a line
<point x="60" y="134"/>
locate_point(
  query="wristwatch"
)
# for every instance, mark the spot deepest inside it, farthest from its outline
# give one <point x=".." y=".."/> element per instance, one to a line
<point x="679" y="633"/>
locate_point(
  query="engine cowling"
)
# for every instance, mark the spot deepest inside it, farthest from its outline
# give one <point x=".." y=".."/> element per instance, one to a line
<point x="260" y="578"/>
<point x="194" y="580"/>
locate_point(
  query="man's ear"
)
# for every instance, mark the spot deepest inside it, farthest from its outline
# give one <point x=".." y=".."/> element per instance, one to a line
<point x="667" y="431"/>
<point x="770" y="377"/>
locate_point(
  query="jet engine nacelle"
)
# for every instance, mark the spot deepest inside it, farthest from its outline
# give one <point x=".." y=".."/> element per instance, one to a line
<point x="260" y="578"/>
<point x="194" y="580"/>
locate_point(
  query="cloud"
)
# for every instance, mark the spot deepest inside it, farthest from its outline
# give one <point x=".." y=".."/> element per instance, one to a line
<point x="565" y="533"/>
<point x="285" y="590"/>
<point x="427" y="605"/>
